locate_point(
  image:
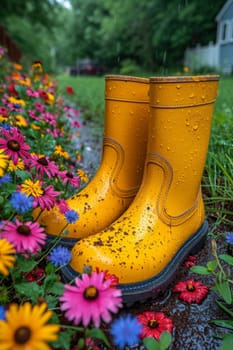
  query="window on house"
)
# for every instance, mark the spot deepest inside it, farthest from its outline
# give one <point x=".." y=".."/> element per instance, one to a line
<point x="224" y="32"/>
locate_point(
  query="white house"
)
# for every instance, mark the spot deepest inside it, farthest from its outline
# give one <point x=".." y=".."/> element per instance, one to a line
<point x="218" y="55"/>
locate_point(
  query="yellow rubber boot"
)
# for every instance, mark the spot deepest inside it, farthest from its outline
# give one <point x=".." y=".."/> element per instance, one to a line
<point x="145" y="246"/>
<point x="119" y="176"/>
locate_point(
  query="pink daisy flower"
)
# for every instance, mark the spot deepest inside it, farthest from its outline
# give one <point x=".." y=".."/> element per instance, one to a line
<point x="191" y="291"/>
<point x="27" y="237"/>
<point x="48" y="199"/>
<point x="40" y="107"/>
<point x="43" y="166"/>
<point x="91" y="299"/>
<point x="69" y="177"/>
<point x="32" y="93"/>
<point x="49" y="118"/>
<point x="32" y="114"/>
<point x="63" y="205"/>
<point x="14" y="145"/>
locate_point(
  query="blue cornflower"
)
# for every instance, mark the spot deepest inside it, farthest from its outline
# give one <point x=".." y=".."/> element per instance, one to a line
<point x="60" y="256"/>
<point x="71" y="216"/>
<point x="5" y="179"/>
<point x="125" y="331"/>
<point x="5" y="126"/>
<point x="2" y="312"/>
<point x="229" y="238"/>
<point x="20" y="202"/>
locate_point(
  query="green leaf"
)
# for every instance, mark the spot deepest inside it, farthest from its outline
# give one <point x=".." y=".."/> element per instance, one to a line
<point x="50" y="280"/>
<point x="24" y="175"/>
<point x="151" y="344"/>
<point x="64" y="340"/>
<point x="30" y="290"/>
<point x="227" y="258"/>
<point x="49" y="268"/>
<point x="227" y="342"/>
<point x="211" y="265"/>
<point x="201" y="270"/>
<point x="224" y="290"/>
<point x="57" y="288"/>
<point x="224" y="308"/>
<point x="165" y="340"/>
<point x="223" y="323"/>
<point x="25" y="265"/>
<point x="98" y="334"/>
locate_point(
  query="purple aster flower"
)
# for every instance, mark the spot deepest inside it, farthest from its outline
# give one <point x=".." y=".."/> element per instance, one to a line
<point x="229" y="238"/>
<point x="60" y="256"/>
<point x="2" y="313"/>
<point x="125" y="331"/>
<point x="21" y="203"/>
<point x="5" y="179"/>
<point x="71" y="216"/>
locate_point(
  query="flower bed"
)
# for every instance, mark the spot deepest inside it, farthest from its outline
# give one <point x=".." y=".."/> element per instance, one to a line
<point x="40" y="168"/>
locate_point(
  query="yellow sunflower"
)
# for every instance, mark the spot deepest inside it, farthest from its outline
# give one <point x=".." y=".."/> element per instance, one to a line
<point x="26" y="328"/>
<point x="20" y="120"/>
<point x="83" y="176"/>
<point x="3" y="162"/>
<point x="19" y="166"/>
<point x="31" y="188"/>
<point x="60" y="152"/>
<point x="17" y="101"/>
<point x="6" y="256"/>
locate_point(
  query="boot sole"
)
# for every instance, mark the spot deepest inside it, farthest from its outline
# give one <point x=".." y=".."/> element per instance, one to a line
<point x="150" y="288"/>
<point x="67" y="242"/>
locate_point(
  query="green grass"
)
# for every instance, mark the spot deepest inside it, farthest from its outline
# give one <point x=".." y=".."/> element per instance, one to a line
<point x="218" y="174"/>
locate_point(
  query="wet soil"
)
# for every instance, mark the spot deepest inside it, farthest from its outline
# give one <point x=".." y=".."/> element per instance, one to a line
<point x="192" y="327"/>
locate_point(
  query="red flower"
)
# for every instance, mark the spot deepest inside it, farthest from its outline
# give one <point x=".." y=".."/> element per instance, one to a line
<point x="191" y="291"/>
<point x="11" y="89"/>
<point x="154" y="324"/>
<point x="190" y="261"/>
<point x="70" y="90"/>
<point x="108" y="276"/>
<point x="36" y="275"/>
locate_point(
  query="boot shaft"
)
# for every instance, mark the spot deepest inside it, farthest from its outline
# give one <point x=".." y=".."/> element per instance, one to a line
<point x="180" y="124"/>
<point x="126" y="128"/>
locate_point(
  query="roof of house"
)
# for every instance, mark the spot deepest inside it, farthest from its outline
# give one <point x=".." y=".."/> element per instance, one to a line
<point x="223" y="9"/>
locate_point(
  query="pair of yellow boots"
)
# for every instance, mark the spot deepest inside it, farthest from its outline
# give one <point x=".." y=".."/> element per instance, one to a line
<point x="143" y="211"/>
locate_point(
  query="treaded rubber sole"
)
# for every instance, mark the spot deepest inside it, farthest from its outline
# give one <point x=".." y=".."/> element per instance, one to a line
<point x="67" y="242"/>
<point x="150" y="288"/>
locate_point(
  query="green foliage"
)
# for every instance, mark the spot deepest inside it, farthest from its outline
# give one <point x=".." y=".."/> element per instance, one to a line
<point x="162" y="344"/>
<point x="220" y="269"/>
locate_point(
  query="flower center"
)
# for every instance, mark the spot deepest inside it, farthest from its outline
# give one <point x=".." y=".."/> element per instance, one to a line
<point x="69" y="175"/>
<point x="42" y="161"/>
<point x="91" y="293"/>
<point x="24" y="230"/>
<point x="190" y="287"/>
<point x="153" y="323"/>
<point x="13" y="145"/>
<point x="22" y="335"/>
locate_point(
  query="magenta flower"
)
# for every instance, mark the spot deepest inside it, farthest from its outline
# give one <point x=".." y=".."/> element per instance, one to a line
<point x="49" y="118"/>
<point x="40" y="107"/>
<point x="69" y="177"/>
<point x="14" y="145"/>
<point x="27" y="237"/>
<point x="191" y="291"/>
<point x="48" y="199"/>
<point x="43" y="166"/>
<point x="91" y="299"/>
<point x="63" y="205"/>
